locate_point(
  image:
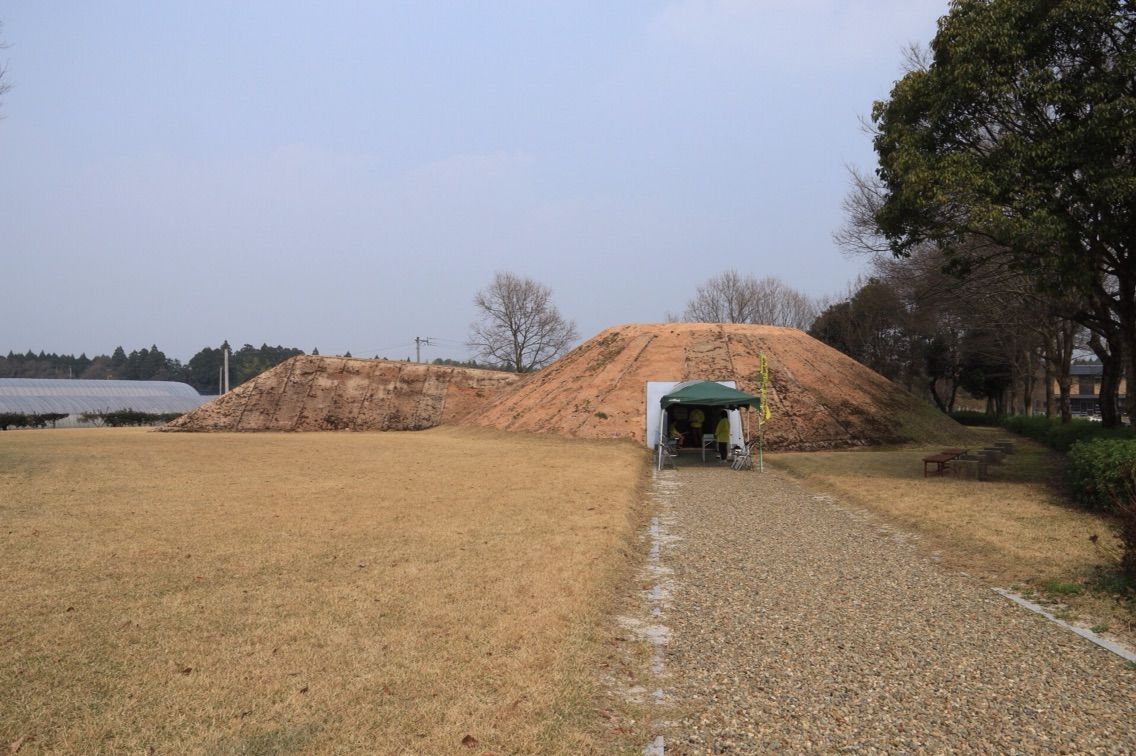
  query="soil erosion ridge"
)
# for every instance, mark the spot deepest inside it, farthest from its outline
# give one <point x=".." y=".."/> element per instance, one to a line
<point x="315" y="393"/>
<point x="819" y="397"/>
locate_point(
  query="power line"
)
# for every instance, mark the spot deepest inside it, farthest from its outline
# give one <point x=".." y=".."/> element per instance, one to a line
<point x="418" y="342"/>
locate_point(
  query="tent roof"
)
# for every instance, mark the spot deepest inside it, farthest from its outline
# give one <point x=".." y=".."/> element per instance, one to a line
<point x="709" y="394"/>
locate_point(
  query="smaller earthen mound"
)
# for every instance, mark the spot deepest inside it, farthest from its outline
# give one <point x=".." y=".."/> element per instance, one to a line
<point x="337" y="393"/>
<point x="819" y="397"/>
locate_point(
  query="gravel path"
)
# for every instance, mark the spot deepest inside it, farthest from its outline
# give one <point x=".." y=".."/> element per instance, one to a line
<point x="797" y="624"/>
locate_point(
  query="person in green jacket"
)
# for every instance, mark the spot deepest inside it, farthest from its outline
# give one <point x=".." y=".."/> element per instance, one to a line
<point x="722" y="435"/>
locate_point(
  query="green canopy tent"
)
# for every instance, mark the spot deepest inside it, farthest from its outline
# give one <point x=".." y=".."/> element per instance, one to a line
<point x="703" y="394"/>
<point x="709" y="394"/>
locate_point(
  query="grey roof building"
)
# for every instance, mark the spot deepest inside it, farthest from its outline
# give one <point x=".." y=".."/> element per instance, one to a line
<point x="43" y="395"/>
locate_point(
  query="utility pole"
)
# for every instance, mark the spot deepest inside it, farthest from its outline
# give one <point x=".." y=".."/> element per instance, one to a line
<point x="418" y="342"/>
<point x="225" y="389"/>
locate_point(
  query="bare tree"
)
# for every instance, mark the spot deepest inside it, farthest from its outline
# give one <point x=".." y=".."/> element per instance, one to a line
<point x="733" y="298"/>
<point x="995" y="311"/>
<point x="860" y="234"/>
<point x="518" y="326"/>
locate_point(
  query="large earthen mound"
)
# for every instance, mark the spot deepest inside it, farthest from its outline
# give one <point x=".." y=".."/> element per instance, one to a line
<point x="337" y="393"/>
<point x="819" y="397"/>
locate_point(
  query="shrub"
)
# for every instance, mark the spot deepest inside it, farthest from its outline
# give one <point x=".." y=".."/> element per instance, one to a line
<point x="1061" y="436"/>
<point x="971" y="417"/>
<point x="1034" y="427"/>
<point x="1100" y="473"/>
<point x="1126" y="508"/>
<point x="13" y="420"/>
<point x="120" y="418"/>
<point x="33" y="420"/>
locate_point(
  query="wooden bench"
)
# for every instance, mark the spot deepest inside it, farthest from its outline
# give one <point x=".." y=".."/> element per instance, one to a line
<point x="941" y="460"/>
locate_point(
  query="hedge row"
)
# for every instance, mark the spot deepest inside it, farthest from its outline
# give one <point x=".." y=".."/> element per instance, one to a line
<point x="1102" y="473"/>
<point x="114" y="419"/>
<point x="1049" y="431"/>
<point x="25" y="420"/>
<point x="1102" y="476"/>
<point x="1061" y="436"/>
<point x="120" y="418"/>
<point x="973" y="417"/>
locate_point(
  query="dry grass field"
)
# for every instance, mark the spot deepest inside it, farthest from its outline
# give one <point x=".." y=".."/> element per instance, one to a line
<point x="432" y="592"/>
<point x="1013" y="530"/>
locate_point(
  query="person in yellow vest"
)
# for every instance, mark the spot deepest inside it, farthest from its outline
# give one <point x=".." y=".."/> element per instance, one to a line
<point x="696" y="419"/>
<point x="722" y="436"/>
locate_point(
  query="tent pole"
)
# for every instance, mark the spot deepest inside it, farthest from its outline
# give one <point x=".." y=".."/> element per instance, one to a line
<point x="742" y="422"/>
<point x="760" y="445"/>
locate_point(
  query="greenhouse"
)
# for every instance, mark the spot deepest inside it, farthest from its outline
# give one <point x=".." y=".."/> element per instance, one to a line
<point x="73" y="397"/>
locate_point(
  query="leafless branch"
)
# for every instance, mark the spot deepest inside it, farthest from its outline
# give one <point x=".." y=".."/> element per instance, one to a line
<point x="519" y="327"/>
<point x="733" y="298"/>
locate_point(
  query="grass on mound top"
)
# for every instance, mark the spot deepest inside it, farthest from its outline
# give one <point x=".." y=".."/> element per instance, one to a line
<point x="430" y="592"/>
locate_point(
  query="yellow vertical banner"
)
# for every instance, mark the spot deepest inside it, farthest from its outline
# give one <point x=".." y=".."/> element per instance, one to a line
<point x="764" y="387"/>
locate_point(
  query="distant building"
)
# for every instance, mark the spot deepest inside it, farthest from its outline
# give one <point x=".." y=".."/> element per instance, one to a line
<point x="1084" y="393"/>
<point x="74" y="397"/>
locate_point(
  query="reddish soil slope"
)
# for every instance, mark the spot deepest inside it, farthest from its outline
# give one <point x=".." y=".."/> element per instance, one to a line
<point x="336" y="393"/>
<point x="819" y="397"/>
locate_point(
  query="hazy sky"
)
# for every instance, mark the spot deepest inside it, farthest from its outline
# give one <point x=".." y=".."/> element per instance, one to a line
<point x="346" y="175"/>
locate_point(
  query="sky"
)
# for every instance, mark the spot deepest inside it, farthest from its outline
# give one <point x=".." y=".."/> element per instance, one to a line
<point x="347" y="175"/>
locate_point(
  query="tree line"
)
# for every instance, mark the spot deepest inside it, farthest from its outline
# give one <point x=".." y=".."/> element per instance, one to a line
<point x="202" y="371"/>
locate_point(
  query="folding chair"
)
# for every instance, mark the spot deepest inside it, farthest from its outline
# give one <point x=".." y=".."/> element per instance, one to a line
<point x="743" y="460"/>
<point x="668" y="452"/>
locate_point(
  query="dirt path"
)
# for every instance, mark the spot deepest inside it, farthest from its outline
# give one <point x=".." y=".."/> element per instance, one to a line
<point x="795" y="623"/>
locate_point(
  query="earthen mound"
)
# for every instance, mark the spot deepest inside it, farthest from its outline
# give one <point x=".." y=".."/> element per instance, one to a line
<point x="339" y="393"/>
<point x="819" y="397"/>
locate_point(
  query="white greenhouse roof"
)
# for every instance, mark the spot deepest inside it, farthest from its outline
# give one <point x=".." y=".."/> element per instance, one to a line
<point x="42" y="395"/>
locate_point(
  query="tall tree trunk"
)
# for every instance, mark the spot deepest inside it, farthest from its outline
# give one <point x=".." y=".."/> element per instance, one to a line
<point x="1129" y="377"/>
<point x="1110" y="378"/>
<point x="1065" y="386"/>
<point x="1011" y="405"/>
<point x="935" y="395"/>
<point x="1110" y="386"/>
<point x="1125" y="306"/>
<point x="1060" y="342"/>
<point x="1050" y="404"/>
<point x="1028" y="379"/>
<point x="1066" y="345"/>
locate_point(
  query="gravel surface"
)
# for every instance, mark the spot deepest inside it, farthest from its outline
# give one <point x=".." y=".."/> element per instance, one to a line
<point x="799" y="624"/>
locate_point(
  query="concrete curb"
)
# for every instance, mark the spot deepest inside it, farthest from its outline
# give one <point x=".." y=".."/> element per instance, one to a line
<point x="1088" y="635"/>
